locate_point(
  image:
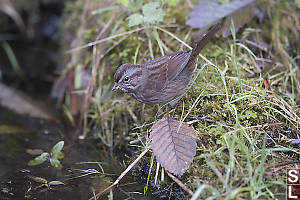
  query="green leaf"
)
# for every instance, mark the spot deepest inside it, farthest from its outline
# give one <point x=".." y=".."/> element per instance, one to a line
<point x="56" y="183"/>
<point x="135" y="5"/>
<point x="152" y="13"/>
<point x="173" y="2"/>
<point x="39" y="160"/>
<point x="35" y="162"/>
<point x="58" y="147"/>
<point x="135" y="19"/>
<point x="124" y="2"/>
<point x="59" y="155"/>
<point x="55" y="163"/>
<point x="44" y="155"/>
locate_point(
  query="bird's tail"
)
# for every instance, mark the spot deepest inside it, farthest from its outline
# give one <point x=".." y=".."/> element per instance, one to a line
<point x="202" y="43"/>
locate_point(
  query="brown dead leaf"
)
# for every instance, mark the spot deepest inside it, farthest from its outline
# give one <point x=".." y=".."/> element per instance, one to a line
<point x="34" y="152"/>
<point x="23" y="104"/>
<point x="174" y="144"/>
<point x="37" y="179"/>
<point x="208" y="12"/>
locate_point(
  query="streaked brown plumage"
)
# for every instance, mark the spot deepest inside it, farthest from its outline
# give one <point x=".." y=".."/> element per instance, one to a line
<point x="162" y="80"/>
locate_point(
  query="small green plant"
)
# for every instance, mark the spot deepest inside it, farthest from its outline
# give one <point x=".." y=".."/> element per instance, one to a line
<point x="49" y="184"/>
<point x="44" y="182"/>
<point x="52" y="157"/>
<point x="131" y="5"/>
<point x="152" y="14"/>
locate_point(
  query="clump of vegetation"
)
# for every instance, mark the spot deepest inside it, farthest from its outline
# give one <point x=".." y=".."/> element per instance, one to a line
<point x="244" y="103"/>
<point x="53" y="157"/>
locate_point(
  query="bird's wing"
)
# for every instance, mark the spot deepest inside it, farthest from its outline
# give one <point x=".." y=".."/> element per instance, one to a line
<point x="165" y="68"/>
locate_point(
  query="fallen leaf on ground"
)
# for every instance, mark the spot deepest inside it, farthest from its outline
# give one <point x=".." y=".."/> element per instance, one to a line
<point x="174" y="144"/>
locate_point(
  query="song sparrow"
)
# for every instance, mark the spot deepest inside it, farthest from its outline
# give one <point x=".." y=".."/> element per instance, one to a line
<point x="164" y="79"/>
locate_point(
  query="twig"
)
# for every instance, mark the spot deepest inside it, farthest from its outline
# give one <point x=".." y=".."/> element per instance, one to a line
<point x="104" y="39"/>
<point x="185" y="39"/>
<point x="87" y="96"/>
<point x="265" y="49"/>
<point x="185" y="44"/>
<point x="174" y="36"/>
<point x="121" y="176"/>
<point x="113" y="46"/>
<point x="283" y="164"/>
<point x="92" y="82"/>
<point x="180" y="184"/>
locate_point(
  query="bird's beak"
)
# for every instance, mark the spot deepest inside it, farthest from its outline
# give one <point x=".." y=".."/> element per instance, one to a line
<point x="116" y="86"/>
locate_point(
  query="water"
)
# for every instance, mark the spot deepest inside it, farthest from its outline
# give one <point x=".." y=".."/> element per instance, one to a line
<point x="20" y="181"/>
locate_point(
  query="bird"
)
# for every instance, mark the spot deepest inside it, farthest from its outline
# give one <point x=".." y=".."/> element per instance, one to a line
<point x="162" y="80"/>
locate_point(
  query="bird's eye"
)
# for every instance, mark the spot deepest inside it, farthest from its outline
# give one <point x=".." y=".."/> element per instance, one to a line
<point x="126" y="79"/>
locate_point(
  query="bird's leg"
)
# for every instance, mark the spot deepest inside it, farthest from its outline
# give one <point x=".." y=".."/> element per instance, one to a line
<point x="173" y="104"/>
<point x="165" y="112"/>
